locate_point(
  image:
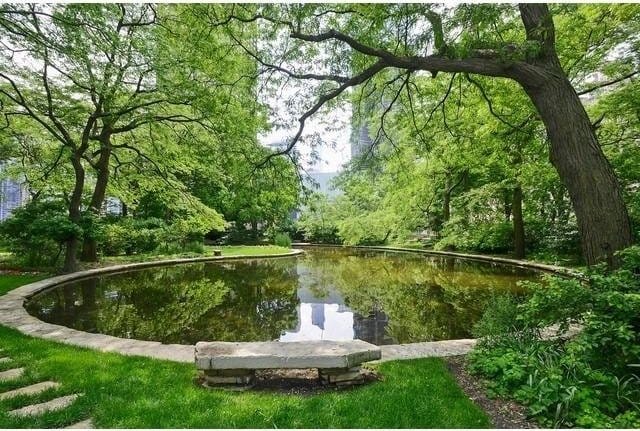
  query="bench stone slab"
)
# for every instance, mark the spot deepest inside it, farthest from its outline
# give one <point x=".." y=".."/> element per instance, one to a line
<point x="297" y="354"/>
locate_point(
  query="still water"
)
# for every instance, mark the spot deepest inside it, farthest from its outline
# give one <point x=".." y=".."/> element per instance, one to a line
<point x="325" y="294"/>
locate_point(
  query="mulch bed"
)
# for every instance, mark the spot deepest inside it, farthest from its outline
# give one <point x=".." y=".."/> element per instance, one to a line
<point x="504" y="414"/>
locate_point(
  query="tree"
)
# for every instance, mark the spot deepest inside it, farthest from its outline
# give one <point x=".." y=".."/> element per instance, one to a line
<point x="101" y="80"/>
<point x="491" y="44"/>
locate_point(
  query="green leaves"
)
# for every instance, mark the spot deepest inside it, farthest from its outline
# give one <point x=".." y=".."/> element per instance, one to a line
<point x="584" y="380"/>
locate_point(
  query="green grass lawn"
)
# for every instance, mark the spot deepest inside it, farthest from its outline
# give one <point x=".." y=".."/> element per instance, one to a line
<point x="11" y="281"/>
<point x="136" y="392"/>
<point x="227" y="250"/>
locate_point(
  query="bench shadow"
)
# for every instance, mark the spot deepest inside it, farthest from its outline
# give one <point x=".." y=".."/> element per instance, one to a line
<point x="293" y="382"/>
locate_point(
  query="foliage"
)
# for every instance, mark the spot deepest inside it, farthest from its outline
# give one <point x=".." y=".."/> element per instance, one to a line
<point x="589" y="380"/>
<point x="484" y="237"/>
<point x="144" y="98"/>
<point x="128" y="235"/>
<point x="38" y="231"/>
<point x="318" y="221"/>
<point x="282" y="239"/>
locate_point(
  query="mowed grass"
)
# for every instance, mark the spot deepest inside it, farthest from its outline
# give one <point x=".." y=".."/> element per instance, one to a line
<point x="11" y="281"/>
<point x="135" y="392"/>
<point x="227" y="250"/>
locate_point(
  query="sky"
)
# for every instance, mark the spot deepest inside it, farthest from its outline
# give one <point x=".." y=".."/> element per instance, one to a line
<point x="288" y="99"/>
<point x="333" y="152"/>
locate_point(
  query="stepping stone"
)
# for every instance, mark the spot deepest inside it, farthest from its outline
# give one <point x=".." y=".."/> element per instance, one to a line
<point x="49" y="406"/>
<point x="29" y="390"/>
<point x="87" y="424"/>
<point x="5" y="359"/>
<point x="11" y="374"/>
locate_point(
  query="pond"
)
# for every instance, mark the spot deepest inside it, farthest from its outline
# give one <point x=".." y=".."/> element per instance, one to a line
<point x="326" y="294"/>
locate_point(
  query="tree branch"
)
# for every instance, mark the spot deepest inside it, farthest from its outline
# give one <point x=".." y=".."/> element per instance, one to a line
<point x="608" y="83"/>
<point x="353" y="81"/>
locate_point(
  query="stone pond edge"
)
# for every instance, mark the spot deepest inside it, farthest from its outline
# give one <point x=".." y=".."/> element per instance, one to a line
<point x="14" y="315"/>
<point x="554" y="269"/>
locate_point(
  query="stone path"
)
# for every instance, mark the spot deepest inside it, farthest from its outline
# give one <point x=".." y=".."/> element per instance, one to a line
<point x="88" y="424"/>
<point x="11" y="374"/>
<point x="48" y="406"/>
<point x="37" y="409"/>
<point x="29" y="390"/>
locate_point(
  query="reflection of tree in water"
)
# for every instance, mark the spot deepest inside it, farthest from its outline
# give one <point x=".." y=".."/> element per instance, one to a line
<point x="234" y="301"/>
<point x="424" y="298"/>
<point x="261" y="305"/>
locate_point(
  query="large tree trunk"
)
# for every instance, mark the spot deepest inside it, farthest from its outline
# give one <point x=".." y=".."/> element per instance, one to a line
<point x="602" y="216"/>
<point x="71" y="249"/>
<point x="90" y="245"/>
<point x="518" y="223"/>
<point x="507" y="205"/>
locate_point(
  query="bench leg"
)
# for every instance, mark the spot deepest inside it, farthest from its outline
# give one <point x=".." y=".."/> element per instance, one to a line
<point x="341" y="376"/>
<point x="239" y="378"/>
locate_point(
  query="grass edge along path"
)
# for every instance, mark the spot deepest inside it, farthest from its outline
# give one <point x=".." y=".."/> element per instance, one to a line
<point x="136" y="392"/>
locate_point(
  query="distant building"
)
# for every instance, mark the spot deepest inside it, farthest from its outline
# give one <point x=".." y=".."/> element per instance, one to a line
<point x="112" y="206"/>
<point x="13" y="194"/>
<point x="321" y="183"/>
<point x="361" y="141"/>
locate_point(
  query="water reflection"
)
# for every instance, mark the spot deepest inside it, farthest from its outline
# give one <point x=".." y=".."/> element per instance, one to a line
<point x="327" y="294"/>
<point x="322" y="322"/>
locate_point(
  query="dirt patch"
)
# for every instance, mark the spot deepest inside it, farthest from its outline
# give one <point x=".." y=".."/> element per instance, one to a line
<point x="504" y="414"/>
<point x="297" y="382"/>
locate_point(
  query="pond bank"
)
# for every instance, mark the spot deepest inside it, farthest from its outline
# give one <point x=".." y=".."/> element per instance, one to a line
<point x="14" y="315"/>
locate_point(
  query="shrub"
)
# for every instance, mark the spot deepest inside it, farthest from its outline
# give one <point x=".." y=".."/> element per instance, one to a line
<point x="589" y="380"/>
<point x="496" y="237"/>
<point x="128" y="236"/>
<point x="321" y="234"/>
<point x="282" y="239"/>
<point x="553" y="237"/>
<point x="37" y="232"/>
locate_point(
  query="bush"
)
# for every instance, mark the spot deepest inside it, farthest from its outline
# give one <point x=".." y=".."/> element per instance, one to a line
<point x="487" y="237"/>
<point x="589" y="380"/>
<point x="130" y="236"/>
<point x="282" y="239"/>
<point x="556" y="237"/>
<point x="321" y="234"/>
<point x="37" y="232"/>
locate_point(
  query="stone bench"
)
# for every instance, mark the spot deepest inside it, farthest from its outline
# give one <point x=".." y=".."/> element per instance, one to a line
<point x="338" y="362"/>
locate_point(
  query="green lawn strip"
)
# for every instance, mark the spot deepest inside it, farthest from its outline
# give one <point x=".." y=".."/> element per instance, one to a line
<point x="227" y="250"/>
<point x="11" y="281"/>
<point x="135" y="392"/>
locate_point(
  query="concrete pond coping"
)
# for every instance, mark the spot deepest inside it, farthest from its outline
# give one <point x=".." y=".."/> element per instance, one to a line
<point x="537" y="266"/>
<point x="14" y="315"/>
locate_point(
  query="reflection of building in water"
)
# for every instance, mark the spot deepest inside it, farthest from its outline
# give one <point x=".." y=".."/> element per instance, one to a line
<point x="372" y="328"/>
<point x="317" y="321"/>
<point x="317" y="315"/>
<point x="323" y="315"/>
